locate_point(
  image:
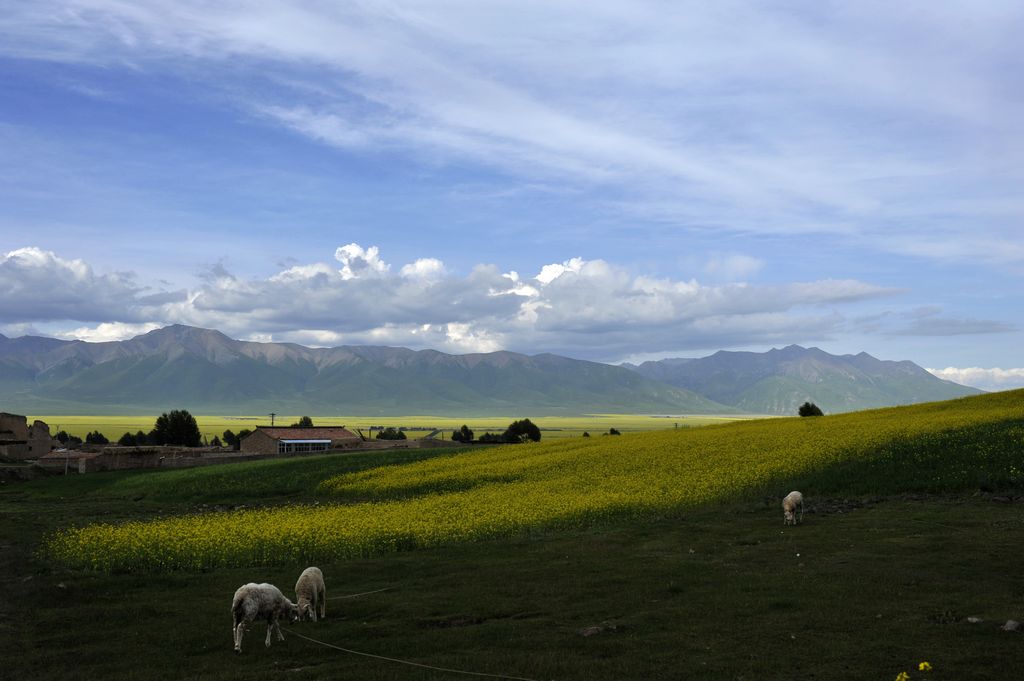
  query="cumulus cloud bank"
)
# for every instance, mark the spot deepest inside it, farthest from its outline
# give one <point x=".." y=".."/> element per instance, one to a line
<point x="985" y="379"/>
<point x="590" y="308"/>
<point x="38" y="285"/>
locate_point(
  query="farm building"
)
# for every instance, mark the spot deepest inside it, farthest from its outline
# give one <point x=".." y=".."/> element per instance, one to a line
<point x="19" y="441"/>
<point x="298" y="440"/>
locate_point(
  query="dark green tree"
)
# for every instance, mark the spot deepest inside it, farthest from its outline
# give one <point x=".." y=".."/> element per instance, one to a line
<point x="489" y="438"/>
<point x="215" y="442"/>
<point x="614" y="431"/>
<point x="96" y="438"/>
<point x="810" y="409"/>
<point x="391" y="433"/>
<point x="127" y="440"/>
<point x="177" y="427"/>
<point x="522" y="431"/>
<point x="463" y="434"/>
<point x="230" y="439"/>
<point x="241" y="436"/>
<point x="586" y="434"/>
<point x="304" y="422"/>
<point x="141" y="438"/>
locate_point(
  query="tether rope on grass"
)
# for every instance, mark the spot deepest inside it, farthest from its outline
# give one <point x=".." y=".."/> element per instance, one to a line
<point x="365" y="593"/>
<point x="410" y="663"/>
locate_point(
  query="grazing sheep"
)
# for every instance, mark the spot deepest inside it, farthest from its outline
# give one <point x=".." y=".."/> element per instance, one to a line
<point x="260" y="602"/>
<point x="311" y="594"/>
<point x="789" y="505"/>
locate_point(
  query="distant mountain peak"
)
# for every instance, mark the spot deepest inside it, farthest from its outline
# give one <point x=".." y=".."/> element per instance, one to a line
<point x="183" y="331"/>
<point x="777" y="381"/>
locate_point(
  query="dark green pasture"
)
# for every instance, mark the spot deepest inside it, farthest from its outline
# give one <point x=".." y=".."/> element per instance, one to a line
<point x="866" y="588"/>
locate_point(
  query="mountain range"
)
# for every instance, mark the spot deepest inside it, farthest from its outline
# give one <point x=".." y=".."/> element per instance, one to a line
<point x="205" y="371"/>
<point x="780" y="380"/>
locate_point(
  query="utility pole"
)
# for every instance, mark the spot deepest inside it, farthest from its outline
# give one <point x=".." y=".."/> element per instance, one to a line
<point x="272" y="415"/>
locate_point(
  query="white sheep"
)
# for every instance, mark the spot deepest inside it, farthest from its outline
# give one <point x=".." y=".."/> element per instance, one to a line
<point x="311" y="594"/>
<point x="789" y="505"/>
<point x="260" y="602"/>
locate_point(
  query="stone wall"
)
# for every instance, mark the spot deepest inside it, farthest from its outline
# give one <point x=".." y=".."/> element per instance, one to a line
<point x="39" y="441"/>
<point x="112" y="460"/>
<point x="13" y="436"/>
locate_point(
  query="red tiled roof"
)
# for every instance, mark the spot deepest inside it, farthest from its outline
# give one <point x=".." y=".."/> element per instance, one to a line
<point x="315" y="433"/>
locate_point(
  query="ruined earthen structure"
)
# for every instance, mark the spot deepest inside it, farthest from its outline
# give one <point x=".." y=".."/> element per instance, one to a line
<point x="19" y="441"/>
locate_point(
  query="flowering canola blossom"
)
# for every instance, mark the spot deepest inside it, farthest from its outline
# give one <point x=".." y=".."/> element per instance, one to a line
<point x="512" y="490"/>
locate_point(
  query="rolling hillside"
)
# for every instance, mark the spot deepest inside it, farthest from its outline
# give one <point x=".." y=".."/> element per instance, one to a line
<point x="504" y="491"/>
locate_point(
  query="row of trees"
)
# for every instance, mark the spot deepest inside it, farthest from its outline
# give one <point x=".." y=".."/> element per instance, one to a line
<point x="177" y="427"/>
<point x="391" y="433"/>
<point x="517" y="432"/>
<point x="611" y="431"/>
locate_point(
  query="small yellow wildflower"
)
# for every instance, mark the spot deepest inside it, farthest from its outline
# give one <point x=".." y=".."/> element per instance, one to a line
<point x="902" y="676"/>
<point x="924" y="667"/>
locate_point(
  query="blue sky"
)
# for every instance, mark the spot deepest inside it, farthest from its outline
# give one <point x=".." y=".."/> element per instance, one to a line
<point x="607" y="180"/>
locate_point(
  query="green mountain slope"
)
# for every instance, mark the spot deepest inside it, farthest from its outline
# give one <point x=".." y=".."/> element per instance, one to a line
<point x="207" y="371"/>
<point x="778" y="381"/>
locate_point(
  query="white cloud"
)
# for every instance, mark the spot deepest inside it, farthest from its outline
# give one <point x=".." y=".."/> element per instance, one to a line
<point x="590" y="308"/>
<point x="357" y="262"/>
<point x="424" y="269"/>
<point x="466" y="338"/>
<point x="985" y="379"/>
<point x="107" y="331"/>
<point x="15" y="330"/>
<point x="38" y="285"/>
<point x="549" y="273"/>
<point x="302" y="272"/>
<point x="576" y="306"/>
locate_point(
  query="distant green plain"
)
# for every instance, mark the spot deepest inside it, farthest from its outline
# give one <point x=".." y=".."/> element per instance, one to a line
<point x="114" y="427"/>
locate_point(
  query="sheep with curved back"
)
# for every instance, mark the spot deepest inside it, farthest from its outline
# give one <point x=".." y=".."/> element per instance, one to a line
<point x="790" y="504"/>
<point x="311" y="594"/>
<point x="260" y="602"/>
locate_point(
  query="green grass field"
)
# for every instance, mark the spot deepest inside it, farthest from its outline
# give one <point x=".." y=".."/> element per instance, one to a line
<point x="565" y="483"/>
<point x="915" y="521"/>
<point x="552" y="426"/>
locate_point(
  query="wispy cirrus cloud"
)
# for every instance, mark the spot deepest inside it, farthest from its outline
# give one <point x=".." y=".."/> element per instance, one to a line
<point x="860" y="121"/>
<point x="931" y="320"/>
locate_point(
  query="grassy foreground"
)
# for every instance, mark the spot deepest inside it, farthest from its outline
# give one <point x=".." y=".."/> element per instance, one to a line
<point x="906" y="536"/>
<point x="725" y="592"/>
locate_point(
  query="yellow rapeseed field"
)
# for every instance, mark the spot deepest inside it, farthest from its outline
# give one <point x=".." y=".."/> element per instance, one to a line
<point x="509" y="490"/>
